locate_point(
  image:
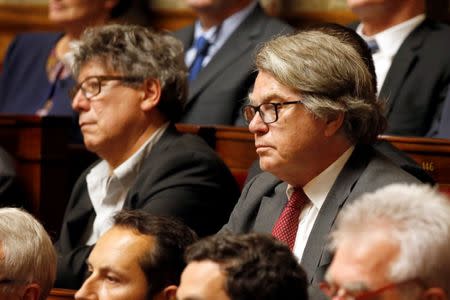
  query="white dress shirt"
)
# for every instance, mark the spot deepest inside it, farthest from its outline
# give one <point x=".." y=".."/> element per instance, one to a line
<point x="108" y="188"/>
<point x="316" y="190"/>
<point x="217" y="35"/>
<point x="389" y="41"/>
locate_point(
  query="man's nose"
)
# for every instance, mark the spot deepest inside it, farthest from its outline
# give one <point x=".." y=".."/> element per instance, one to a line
<point x="257" y="125"/>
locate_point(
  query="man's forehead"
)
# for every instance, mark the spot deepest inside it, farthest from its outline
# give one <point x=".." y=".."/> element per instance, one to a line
<point x="267" y="88"/>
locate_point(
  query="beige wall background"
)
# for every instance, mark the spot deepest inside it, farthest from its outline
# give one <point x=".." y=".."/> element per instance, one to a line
<point x="300" y="5"/>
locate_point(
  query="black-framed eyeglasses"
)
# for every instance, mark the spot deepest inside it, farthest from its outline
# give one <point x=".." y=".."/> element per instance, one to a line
<point x="92" y="86"/>
<point x="335" y="292"/>
<point x="267" y="111"/>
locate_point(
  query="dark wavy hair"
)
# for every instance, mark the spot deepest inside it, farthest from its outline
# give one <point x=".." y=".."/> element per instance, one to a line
<point x="163" y="264"/>
<point x="256" y="266"/>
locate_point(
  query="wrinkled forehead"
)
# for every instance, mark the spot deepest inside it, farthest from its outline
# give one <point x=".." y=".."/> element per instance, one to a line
<point x="267" y="88"/>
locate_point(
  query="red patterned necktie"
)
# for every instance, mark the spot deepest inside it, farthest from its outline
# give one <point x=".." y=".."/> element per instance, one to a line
<point x="285" y="229"/>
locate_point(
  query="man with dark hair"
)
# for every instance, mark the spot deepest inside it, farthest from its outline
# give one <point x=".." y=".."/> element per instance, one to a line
<point x="241" y="267"/>
<point x="140" y="257"/>
<point x="131" y="90"/>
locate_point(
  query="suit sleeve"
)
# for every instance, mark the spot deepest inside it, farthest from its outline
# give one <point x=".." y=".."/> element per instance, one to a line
<point x="196" y="187"/>
<point x="240" y="216"/>
<point x="71" y="265"/>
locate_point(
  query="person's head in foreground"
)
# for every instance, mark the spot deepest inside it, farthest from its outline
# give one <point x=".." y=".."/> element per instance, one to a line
<point x="27" y="257"/>
<point x="131" y="81"/>
<point x="316" y="87"/>
<point x="140" y="257"/>
<point x="392" y="244"/>
<point x="241" y="267"/>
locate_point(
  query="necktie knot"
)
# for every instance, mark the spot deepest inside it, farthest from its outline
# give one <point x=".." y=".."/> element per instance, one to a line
<point x="298" y="199"/>
<point x="202" y="46"/>
<point x="373" y="45"/>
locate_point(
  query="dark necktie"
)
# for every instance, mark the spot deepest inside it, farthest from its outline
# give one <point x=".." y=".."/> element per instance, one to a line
<point x="202" y="46"/>
<point x="285" y="229"/>
<point x="373" y="46"/>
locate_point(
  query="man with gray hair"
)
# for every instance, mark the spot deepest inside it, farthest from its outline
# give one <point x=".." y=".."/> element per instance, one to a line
<point x="27" y="257"/>
<point x="314" y="114"/>
<point x="131" y="89"/>
<point x="392" y="244"/>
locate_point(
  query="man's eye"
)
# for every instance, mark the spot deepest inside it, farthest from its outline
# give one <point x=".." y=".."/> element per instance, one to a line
<point x="112" y="279"/>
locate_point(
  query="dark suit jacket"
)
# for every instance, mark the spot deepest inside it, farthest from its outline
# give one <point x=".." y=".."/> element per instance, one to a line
<point x="182" y="177"/>
<point x="218" y="93"/>
<point x="264" y="198"/>
<point x="10" y="191"/>
<point x="24" y="85"/>
<point x="441" y="124"/>
<point x="416" y="83"/>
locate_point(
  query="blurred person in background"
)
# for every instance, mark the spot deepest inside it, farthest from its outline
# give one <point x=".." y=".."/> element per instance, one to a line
<point x="36" y="76"/>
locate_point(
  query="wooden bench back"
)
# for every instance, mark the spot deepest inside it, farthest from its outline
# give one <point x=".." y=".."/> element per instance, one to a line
<point x="48" y="166"/>
<point x="61" y="294"/>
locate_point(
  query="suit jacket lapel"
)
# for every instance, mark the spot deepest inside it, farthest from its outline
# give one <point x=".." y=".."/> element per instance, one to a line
<point x="131" y="201"/>
<point x="271" y="208"/>
<point x="239" y="42"/>
<point x="81" y="217"/>
<point x="334" y="201"/>
<point x="402" y="64"/>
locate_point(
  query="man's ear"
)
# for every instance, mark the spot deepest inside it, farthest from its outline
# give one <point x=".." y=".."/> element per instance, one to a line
<point x="169" y="293"/>
<point x="334" y="124"/>
<point x="32" y="292"/>
<point x="434" y="294"/>
<point x="151" y="94"/>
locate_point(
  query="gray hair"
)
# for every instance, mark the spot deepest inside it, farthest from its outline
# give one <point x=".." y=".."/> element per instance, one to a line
<point x="139" y="52"/>
<point x="331" y="68"/>
<point x="417" y="217"/>
<point x="27" y="251"/>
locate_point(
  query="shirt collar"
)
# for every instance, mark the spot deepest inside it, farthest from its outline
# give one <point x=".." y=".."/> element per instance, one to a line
<point x="224" y="30"/>
<point x="319" y="187"/>
<point x="390" y="40"/>
<point x="126" y="172"/>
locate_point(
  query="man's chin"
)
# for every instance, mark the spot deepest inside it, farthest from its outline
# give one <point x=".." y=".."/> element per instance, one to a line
<point x="266" y="164"/>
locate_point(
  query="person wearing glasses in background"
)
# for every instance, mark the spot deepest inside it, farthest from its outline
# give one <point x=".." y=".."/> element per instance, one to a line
<point x="314" y="114"/>
<point x="27" y="257"/>
<point x="131" y="89"/>
<point x="392" y="244"/>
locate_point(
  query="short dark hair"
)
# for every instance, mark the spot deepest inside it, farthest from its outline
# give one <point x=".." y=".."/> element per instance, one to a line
<point x="163" y="265"/>
<point x="256" y="265"/>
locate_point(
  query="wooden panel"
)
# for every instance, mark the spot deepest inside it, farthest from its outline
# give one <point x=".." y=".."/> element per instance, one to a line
<point x="17" y="18"/>
<point x="236" y="147"/>
<point x="433" y="155"/>
<point x="39" y="146"/>
<point x="61" y="294"/>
